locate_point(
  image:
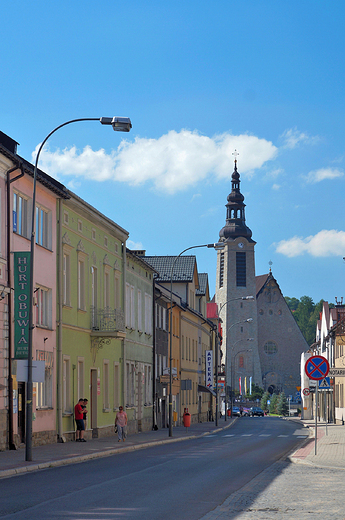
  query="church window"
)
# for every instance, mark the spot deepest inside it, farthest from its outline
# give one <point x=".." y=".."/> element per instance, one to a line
<point x="221" y="270"/>
<point x="270" y="348"/>
<point x="241" y="269"/>
<point x="241" y="362"/>
<point x="261" y="311"/>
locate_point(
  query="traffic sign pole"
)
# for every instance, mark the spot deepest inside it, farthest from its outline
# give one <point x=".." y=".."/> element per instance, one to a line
<point x="316" y="412"/>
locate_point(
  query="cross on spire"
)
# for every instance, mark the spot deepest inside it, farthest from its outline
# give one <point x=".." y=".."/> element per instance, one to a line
<point x="235" y="153"/>
<point x="270" y="264"/>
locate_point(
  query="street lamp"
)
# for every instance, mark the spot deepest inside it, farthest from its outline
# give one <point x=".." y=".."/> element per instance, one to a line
<point x="217" y="246"/>
<point x="119" y="124"/>
<point x="217" y="348"/>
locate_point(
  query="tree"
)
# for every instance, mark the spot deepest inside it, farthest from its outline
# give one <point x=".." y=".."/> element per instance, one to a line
<point x="282" y="405"/>
<point x="264" y="400"/>
<point x="306" y="314"/>
<point x="256" y="393"/>
<point x="273" y="403"/>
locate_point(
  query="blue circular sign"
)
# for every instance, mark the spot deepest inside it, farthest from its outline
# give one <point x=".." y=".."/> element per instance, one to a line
<point x="316" y="367"/>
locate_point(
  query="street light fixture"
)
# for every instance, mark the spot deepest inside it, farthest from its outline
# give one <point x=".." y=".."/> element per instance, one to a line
<point x="217" y="246"/>
<point x="119" y="124"/>
<point x="217" y="348"/>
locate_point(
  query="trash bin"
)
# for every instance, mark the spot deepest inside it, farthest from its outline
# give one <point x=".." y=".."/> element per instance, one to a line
<point x="186" y="418"/>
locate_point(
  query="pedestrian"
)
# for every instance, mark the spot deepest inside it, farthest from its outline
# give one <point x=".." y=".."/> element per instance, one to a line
<point x="121" y="423"/>
<point x="85" y="411"/>
<point x="78" y="416"/>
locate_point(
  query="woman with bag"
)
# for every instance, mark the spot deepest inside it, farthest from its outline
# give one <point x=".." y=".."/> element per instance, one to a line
<point x="121" y="424"/>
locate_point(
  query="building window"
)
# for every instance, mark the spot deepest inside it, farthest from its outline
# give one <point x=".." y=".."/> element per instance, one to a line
<point x="221" y="270"/>
<point x="80" y="226"/>
<point x="66" y="280"/>
<point x="148" y="313"/>
<point x="65" y="217"/>
<point x="106" y="288"/>
<point x="105" y="241"/>
<point x="270" y="348"/>
<point x="43" y="227"/>
<point x="20" y="215"/>
<point x="80" y="376"/>
<point x="81" y="284"/>
<point x="93" y="234"/>
<point x="241" y="362"/>
<point x="241" y="269"/>
<point x="43" y="307"/>
<point x="44" y="391"/>
<point x="106" y="385"/>
<point x="116" y="385"/>
<point x="117" y="291"/>
<point x="140" y="320"/>
<point x="130" y="317"/>
<point x="66" y="385"/>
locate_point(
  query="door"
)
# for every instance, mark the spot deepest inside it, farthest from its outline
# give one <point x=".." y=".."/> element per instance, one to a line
<point x="21" y="412"/>
<point x="93" y="395"/>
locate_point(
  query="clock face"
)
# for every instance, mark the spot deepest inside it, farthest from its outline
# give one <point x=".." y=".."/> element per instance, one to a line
<point x="241" y="245"/>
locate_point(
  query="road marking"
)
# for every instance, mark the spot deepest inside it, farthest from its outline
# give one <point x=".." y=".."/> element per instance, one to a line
<point x="229" y="435"/>
<point x="247" y="434"/>
<point x="299" y="432"/>
<point x="302" y="436"/>
<point x="282" y="435"/>
<point x="265" y="434"/>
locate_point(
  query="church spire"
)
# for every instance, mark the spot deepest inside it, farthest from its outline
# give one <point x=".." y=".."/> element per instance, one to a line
<point x="235" y="215"/>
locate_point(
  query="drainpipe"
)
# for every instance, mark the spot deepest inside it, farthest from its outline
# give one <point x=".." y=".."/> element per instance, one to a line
<point x="11" y="443"/>
<point x="60" y="436"/>
<point x="154" y="397"/>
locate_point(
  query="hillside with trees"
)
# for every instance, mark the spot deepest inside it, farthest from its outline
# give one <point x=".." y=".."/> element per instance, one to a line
<point x="306" y="314"/>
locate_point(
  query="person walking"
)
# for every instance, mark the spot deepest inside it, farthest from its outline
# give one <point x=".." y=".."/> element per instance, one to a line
<point x="78" y="416"/>
<point x="121" y="423"/>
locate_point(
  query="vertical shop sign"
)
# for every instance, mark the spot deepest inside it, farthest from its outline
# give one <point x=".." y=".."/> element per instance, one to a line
<point x="21" y="304"/>
<point x="209" y="369"/>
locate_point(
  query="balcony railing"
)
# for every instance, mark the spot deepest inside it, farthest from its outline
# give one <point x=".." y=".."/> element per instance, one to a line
<point x="107" y="320"/>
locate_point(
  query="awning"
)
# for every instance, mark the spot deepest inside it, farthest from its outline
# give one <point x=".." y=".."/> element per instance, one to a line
<point x="202" y="388"/>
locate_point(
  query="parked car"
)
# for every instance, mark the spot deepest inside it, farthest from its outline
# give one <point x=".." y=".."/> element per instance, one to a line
<point x="236" y="411"/>
<point x="255" y="410"/>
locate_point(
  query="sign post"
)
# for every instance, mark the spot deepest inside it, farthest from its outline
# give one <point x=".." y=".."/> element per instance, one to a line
<point x="317" y="368"/>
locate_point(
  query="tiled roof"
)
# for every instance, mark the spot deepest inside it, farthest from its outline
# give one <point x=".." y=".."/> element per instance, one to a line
<point x="183" y="268"/>
<point x="203" y="279"/>
<point x="260" y="282"/>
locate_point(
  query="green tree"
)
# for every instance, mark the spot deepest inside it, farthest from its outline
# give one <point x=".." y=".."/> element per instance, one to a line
<point x="264" y="399"/>
<point x="256" y="393"/>
<point x="292" y="303"/>
<point x="306" y="314"/>
<point x="273" y="403"/>
<point x="282" y="405"/>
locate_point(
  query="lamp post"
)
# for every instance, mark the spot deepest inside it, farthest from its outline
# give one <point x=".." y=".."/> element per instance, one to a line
<point x="119" y="124"/>
<point x="217" y="246"/>
<point x="248" y="320"/>
<point x="217" y="348"/>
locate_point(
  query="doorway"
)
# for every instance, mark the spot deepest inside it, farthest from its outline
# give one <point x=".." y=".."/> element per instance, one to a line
<point x="21" y="412"/>
<point x="93" y="399"/>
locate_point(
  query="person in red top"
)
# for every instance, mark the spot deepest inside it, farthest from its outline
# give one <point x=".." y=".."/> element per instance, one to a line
<point x="79" y="419"/>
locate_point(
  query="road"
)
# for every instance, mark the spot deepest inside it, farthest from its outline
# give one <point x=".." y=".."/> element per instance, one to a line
<point x="183" y="480"/>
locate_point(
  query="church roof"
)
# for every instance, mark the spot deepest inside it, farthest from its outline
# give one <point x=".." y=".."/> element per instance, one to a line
<point x="183" y="269"/>
<point x="260" y="282"/>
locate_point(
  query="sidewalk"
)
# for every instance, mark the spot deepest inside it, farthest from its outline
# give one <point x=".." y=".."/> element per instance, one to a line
<point x="59" y="454"/>
<point x="330" y="446"/>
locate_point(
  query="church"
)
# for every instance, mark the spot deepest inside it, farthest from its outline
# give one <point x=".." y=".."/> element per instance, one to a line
<point x="261" y="341"/>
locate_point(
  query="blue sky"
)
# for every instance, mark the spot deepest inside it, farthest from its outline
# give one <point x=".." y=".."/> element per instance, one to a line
<point x="198" y="80"/>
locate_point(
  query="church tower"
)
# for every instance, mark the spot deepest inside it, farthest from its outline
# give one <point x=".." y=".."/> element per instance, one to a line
<point x="235" y="281"/>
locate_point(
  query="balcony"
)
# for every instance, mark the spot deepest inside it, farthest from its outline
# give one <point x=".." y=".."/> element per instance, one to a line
<point x="107" y="322"/>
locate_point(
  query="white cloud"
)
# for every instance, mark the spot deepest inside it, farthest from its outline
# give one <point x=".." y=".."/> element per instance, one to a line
<point x="134" y="246"/>
<point x="276" y="187"/>
<point x="325" y="243"/>
<point x="322" y="174"/>
<point x="173" y="162"/>
<point x="294" y="137"/>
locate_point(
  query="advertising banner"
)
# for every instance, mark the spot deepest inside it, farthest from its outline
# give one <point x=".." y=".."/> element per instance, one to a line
<point x="21" y="270"/>
<point x="209" y="369"/>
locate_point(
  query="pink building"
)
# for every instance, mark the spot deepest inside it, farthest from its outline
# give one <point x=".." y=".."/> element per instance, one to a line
<point x="17" y="216"/>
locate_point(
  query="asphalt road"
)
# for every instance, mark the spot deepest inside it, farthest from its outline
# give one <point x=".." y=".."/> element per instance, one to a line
<point x="183" y="480"/>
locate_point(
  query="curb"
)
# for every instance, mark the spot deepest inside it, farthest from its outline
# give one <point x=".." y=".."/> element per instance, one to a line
<point x="6" y="473"/>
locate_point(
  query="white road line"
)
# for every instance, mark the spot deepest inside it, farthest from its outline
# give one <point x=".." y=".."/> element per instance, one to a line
<point x="282" y="435"/>
<point x="265" y="434"/>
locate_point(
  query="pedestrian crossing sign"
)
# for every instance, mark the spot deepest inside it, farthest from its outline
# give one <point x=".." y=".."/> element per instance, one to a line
<point x="325" y="383"/>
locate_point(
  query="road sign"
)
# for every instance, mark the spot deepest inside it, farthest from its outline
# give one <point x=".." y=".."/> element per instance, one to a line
<point x="336" y="372"/>
<point x="316" y="367"/>
<point x="325" y="384"/>
<point x="306" y="391"/>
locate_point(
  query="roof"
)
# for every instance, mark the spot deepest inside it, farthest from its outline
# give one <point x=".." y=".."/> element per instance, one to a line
<point x="183" y="271"/>
<point x="260" y="282"/>
<point x="203" y="281"/>
<point x="140" y="260"/>
<point x="52" y="184"/>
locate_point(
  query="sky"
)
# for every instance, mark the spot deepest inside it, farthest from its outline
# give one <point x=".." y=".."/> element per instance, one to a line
<point x="198" y="80"/>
